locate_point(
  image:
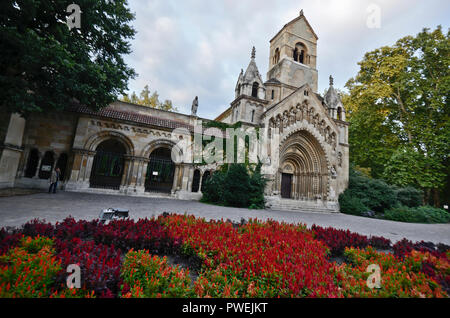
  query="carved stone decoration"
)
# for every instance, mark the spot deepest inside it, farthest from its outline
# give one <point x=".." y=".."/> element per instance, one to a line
<point x="292" y="116"/>
<point x="333" y="172"/>
<point x="340" y="159"/>
<point x="322" y="127"/>
<point x="288" y="168"/>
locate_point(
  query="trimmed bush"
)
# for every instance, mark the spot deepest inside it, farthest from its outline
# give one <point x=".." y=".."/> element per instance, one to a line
<point x="351" y="205"/>
<point x="409" y="196"/>
<point x="423" y="214"/>
<point x="237" y="186"/>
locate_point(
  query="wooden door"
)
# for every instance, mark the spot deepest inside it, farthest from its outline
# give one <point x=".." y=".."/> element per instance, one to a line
<point x="286" y="185"/>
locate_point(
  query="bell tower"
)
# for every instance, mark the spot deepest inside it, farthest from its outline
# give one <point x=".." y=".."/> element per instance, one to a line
<point x="293" y="54"/>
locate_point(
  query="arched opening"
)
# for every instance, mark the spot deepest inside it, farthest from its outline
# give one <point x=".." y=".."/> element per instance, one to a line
<point x="295" y="56"/>
<point x="108" y="165"/>
<point x="206" y="176"/>
<point x="32" y="164"/>
<point x="62" y="165"/>
<point x="339" y="113"/>
<point x="196" y="181"/>
<point x="255" y="87"/>
<point x="276" y="57"/>
<point x="304" y="174"/>
<point x="253" y="115"/>
<point x="160" y="171"/>
<point x="300" y="53"/>
<point x="46" y="165"/>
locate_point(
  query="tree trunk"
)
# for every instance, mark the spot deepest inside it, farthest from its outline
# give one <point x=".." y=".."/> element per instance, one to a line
<point x="436" y="199"/>
<point x="426" y="197"/>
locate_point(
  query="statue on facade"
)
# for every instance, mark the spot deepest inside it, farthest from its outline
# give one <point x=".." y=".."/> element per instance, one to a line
<point x="194" y="106"/>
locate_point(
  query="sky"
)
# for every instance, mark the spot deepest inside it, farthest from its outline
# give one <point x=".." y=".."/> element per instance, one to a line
<point x="188" y="48"/>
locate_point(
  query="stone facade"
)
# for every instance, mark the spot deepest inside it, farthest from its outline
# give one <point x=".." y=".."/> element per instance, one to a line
<point x="123" y="149"/>
<point x="312" y="163"/>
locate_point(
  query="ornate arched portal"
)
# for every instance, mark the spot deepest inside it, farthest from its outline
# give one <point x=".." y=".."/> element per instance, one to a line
<point x="303" y="171"/>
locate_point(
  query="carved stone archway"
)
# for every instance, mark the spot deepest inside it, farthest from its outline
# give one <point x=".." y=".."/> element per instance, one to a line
<point x="303" y="168"/>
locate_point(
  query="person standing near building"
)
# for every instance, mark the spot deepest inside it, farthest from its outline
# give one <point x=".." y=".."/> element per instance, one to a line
<point x="54" y="177"/>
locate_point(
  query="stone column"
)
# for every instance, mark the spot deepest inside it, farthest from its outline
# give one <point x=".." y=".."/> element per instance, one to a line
<point x="141" y="174"/>
<point x="127" y="165"/>
<point x="38" y="168"/>
<point x="200" y="183"/>
<point x="175" y="180"/>
<point x="80" y="170"/>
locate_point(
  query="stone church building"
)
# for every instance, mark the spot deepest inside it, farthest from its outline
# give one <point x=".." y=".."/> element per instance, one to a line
<point x="126" y="148"/>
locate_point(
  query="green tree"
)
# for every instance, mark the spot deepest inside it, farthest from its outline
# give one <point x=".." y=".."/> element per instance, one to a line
<point x="399" y="111"/>
<point x="147" y="98"/>
<point x="44" y="66"/>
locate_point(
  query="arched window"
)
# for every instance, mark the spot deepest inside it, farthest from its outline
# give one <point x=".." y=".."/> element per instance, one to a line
<point x="300" y="53"/>
<point x="276" y="57"/>
<point x="255" y="89"/>
<point x="33" y="160"/>
<point x="339" y="113"/>
<point x="46" y="165"/>
<point x="253" y="115"/>
<point x="62" y="164"/>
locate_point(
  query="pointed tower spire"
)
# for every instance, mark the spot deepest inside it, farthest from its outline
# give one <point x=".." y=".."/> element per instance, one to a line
<point x="253" y="52"/>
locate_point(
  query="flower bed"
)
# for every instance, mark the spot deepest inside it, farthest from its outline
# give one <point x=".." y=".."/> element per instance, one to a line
<point x="338" y="240"/>
<point x="254" y="259"/>
<point x="398" y="279"/>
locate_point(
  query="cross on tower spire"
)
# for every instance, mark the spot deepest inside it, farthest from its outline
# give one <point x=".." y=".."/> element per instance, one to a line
<point x="331" y="80"/>
<point x="253" y="53"/>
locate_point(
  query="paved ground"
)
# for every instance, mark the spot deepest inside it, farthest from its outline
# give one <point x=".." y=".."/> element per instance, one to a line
<point x="17" y="210"/>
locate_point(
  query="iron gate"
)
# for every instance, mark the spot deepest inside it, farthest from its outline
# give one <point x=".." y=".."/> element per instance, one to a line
<point x="160" y="173"/>
<point x="107" y="170"/>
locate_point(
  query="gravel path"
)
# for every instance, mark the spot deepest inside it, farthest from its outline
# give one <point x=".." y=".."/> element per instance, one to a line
<point x="17" y="210"/>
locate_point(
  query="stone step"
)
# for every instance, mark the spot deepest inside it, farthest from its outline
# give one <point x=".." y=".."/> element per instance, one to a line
<point x="292" y="205"/>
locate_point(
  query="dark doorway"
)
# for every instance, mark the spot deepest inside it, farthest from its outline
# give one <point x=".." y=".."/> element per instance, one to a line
<point x="196" y="181"/>
<point x="62" y="164"/>
<point x="107" y="168"/>
<point x="205" y="178"/>
<point x="32" y="164"/>
<point x="286" y="185"/>
<point x="46" y="165"/>
<point x="160" y="171"/>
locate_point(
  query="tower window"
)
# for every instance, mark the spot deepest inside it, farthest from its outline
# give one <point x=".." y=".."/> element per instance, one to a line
<point x="255" y="89"/>
<point x="276" y="57"/>
<point x="339" y="113"/>
<point x="253" y="115"/>
<point x="273" y="94"/>
<point x="300" y="53"/>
